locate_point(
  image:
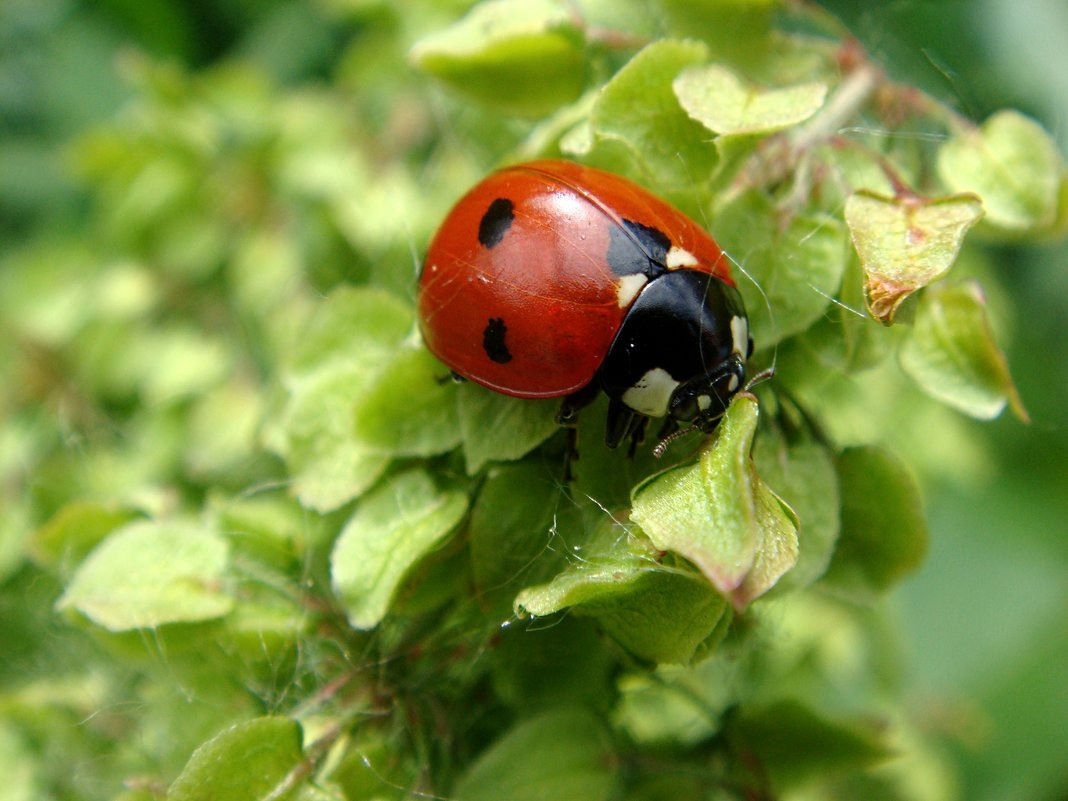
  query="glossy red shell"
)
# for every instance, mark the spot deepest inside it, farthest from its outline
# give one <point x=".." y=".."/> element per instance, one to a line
<point x="547" y="282"/>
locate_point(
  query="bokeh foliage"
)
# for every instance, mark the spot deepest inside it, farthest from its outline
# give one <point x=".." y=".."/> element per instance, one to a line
<point x="250" y="544"/>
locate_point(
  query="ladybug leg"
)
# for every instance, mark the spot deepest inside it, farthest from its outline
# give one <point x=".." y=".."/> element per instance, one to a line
<point x="574" y="403"/>
<point x="637" y="434"/>
<point x="619" y="424"/>
<point x="453" y="376"/>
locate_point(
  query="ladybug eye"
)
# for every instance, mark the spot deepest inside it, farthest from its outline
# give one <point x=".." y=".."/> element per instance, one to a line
<point x="703" y="400"/>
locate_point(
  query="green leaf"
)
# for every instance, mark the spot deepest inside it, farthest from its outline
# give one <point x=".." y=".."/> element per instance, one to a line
<point x="1013" y="165"/>
<point x="678" y="705"/>
<point x="803" y="474"/>
<point x="738" y="30"/>
<point x="252" y="761"/>
<point x="495" y="427"/>
<point x="719" y="100"/>
<point x="794" y="267"/>
<point x="906" y="243"/>
<point x="179" y="362"/>
<point x="146" y="574"/>
<point x="794" y="745"/>
<point x="639" y="109"/>
<point x="565" y="664"/>
<point x="514" y="529"/>
<point x="562" y="754"/>
<point x="519" y="56"/>
<point x="353" y="326"/>
<point x="719" y="514"/>
<point x="660" y="613"/>
<point x="408" y="409"/>
<point x="72" y="532"/>
<point x="884" y="534"/>
<point x="951" y="354"/>
<point x="394" y="527"/>
<point x="329" y="466"/>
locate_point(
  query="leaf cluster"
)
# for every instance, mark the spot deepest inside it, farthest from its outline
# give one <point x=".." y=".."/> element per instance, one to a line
<point x="288" y="560"/>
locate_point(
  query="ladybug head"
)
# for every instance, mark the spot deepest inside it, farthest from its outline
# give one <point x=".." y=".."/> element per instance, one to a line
<point x="703" y="400"/>
<point x="680" y="352"/>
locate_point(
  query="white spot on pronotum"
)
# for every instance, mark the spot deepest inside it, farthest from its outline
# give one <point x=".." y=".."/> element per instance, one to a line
<point x="679" y="257"/>
<point x="732" y="385"/>
<point x="628" y="287"/>
<point x="704" y="402"/>
<point x="651" y="394"/>
<point x="740" y="336"/>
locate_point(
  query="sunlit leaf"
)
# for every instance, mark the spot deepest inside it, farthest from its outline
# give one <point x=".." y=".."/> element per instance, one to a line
<point x="719" y="100"/>
<point x="146" y="574"/>
<point x="1013" y="165"/>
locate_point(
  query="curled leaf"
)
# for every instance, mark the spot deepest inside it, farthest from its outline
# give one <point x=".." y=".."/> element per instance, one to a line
<point x="720" y="515"/>
<point x="906" y="243"/>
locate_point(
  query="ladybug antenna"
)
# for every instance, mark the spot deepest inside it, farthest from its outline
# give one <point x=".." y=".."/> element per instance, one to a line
<point x="764" y="375"/>
<point x="661" y="446"/>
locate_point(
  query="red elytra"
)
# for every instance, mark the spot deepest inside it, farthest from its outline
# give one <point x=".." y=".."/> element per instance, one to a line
<point x="548" y="279"/>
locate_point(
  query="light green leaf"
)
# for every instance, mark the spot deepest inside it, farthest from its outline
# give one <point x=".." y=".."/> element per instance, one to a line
<point x="146" y="574"/>
<point x="906" y="243"/>
<point x="179" y="362"/>
<point x="658" y="612"/>
<point x="520" y="56"/>
<point x="794" y="267"/>
<point x="394" y="527"/>
<point x="1013" y="165"/>
<point x="951" y="354"/>
<point x="408" y="408"/>
<point x="884" y="533"/>
<point x="719" y="514"/>
<point x="498" y="428"/>
<point x="719" y="100"/>
<point x="252" y="761"/>
<point x="561" y="754"/>
<point x="353" y="326"/>
<point x="639" y="109"/>
<point x="329" y="466"/>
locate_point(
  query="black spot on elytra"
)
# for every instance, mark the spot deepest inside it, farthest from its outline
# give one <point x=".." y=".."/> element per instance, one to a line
<point x="493" y="341"/>
<point x="496" y="222"/>
<point x="636" y="248"/>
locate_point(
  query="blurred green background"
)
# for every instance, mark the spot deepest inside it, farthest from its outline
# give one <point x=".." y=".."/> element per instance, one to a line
<point x="985" y="622"/>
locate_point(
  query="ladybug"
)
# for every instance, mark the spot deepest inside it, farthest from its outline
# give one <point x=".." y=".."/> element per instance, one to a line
<point x="552" y="279"/>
